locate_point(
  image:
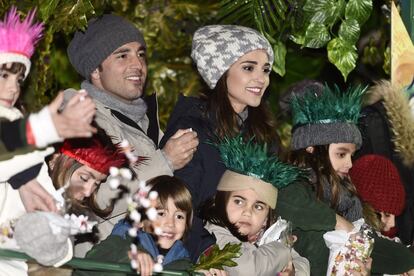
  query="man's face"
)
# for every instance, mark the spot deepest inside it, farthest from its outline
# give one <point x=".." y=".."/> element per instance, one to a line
<point x="123" y="73"/>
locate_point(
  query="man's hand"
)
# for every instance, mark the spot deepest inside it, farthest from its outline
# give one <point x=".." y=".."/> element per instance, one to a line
<point x="35" y="197"/>
<point x="181" y="147"/>
<point x="76" y="117"/>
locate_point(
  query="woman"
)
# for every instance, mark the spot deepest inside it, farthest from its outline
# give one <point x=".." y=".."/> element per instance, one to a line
<point x="235" y="62"/>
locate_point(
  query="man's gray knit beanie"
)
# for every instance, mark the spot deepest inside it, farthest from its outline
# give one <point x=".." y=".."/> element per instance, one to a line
<point x="216" y="47"/>
<point x="105" y="34"/>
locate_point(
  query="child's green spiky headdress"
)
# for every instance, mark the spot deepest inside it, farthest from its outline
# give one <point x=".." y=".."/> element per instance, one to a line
<point x="249" y="165"/>
<point x="327" y="118"/>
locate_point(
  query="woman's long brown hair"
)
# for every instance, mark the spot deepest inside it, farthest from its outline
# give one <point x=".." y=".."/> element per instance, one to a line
<point x="259" y="124"/>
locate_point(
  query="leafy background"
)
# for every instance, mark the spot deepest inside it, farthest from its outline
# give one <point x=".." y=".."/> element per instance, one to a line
<point x="334" y="41"/>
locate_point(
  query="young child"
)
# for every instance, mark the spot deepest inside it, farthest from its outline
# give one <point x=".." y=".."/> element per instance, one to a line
<point x="244" y="207"/>
<point x="175" y="213"/>
<point x="19" y="135"/>
<point x="378" y="184"/>
<point x="324" y="138"/>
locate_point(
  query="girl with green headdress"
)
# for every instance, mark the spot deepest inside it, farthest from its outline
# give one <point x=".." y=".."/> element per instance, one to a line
<point x="324" y="138"/>
<point x="243" y="208"/>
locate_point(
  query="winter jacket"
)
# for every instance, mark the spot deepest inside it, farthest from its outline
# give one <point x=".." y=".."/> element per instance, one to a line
<point x="267" y="259"/>
<point x="146" y="241"/>
<point x="387" y="128"/>
<point x="17" y="158"/>
<point x="312" y="218"/>
<point x="115" y="249"/>
<point x="13" y="138"/>
<point x="11" y="208"/>
<point x="14" y="130"/>
<point x="202" y="174"/>
<point x="144" y="139"/>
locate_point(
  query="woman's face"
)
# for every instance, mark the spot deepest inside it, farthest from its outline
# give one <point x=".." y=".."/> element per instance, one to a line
<point x="247" y="80"/>
<point x="9" y="87"/>
<point x="84" y="182"/>
<point x="340" y="156"/>
<point x="247" y="212"/>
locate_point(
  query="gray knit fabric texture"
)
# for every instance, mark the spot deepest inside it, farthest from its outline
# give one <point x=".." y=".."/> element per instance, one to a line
<point x="216" y="47"/>
<point x="105" y="34"/>
<point x="43" y="236"/>
<point x="325" y="134"/>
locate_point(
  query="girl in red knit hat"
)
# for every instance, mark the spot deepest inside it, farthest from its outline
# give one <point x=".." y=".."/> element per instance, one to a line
<point x="378" y="184"/>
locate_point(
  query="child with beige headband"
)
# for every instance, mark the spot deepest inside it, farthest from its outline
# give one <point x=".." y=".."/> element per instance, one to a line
<point x="244" y="207"/>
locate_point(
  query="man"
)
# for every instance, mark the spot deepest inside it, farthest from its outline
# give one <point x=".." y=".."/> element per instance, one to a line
<point x="111" y="56"/>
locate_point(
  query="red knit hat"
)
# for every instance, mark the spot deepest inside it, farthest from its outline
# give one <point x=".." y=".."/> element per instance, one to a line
<point x="94" y="153"/>
<point x="377" y="182"/>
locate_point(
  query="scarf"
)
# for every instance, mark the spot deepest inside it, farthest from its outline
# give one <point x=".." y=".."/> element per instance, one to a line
<point x="135" y="110"/>
<point x="349" y="205"/>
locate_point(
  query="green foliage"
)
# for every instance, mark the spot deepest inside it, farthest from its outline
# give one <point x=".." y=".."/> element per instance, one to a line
<point x="219" y="257"/>
<point x="309" y="23"/>
<point x="332" y="105"/>
<point x="325" y="16"/>
<point x="253" y="159"/>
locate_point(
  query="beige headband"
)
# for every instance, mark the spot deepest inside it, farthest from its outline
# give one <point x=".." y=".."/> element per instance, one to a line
<point x="232" y="181"/>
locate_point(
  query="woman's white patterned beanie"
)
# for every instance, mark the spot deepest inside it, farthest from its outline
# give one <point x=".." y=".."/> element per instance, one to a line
<point x="216" y="47"/>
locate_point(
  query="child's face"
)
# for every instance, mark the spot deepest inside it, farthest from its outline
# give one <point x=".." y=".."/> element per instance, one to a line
<point x="9" y="87"/>
<point x="340" y="156"/>
<point x="388" y="220"/>
<point x="247" y="212"/>
<point x="172" y="222"/>
<point x="84" y="182"/>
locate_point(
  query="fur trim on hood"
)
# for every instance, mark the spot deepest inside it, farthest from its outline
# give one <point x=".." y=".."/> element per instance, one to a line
<point x="399" y="116"/>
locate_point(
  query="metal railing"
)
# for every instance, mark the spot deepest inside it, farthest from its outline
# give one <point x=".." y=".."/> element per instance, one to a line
<point x="92" y="265"/>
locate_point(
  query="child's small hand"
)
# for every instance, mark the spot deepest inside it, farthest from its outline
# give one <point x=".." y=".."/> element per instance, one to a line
<point x="365" y="268"/>
<point x="213" y="272"/>
<point x="144" y="261"/>
<point x="289" y="270"/>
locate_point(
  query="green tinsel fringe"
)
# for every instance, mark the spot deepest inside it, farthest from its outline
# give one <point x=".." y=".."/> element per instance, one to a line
<point x="253" y="159"/>
<point x="332" y="105"/>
